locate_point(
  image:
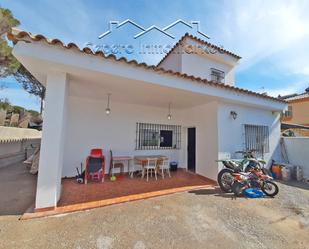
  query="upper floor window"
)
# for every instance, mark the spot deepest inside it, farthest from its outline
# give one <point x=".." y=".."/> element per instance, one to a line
<point x="289" y="112"/>
<point x="217" y="75"/>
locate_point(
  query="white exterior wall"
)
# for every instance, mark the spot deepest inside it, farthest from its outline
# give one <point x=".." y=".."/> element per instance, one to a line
<point x="204" y="119"/>
<point x="118" y="131"/>
<point x="52" y="147"/>
<point x="200" y="66"/>
<point x="88" y="127"/>
<point x="172" y="62"/>
<point x="188" y="58"/>
<point x="297" y="149"/>
<point x="231" y="133"/>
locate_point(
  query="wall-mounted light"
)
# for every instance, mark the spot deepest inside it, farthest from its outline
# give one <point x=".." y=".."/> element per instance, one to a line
<point x="108" y="109"/>
<point x="233" y="114"/>
<point x="169" y="116"/>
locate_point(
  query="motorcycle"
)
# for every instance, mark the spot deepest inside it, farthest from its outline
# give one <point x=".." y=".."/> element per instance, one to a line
<point x="249" y="161"/>
<point x="255" y="178"/>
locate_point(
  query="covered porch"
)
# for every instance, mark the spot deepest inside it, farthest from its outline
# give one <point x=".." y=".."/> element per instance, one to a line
<point x="138" y="110"/>
<point x="77" y="87"/>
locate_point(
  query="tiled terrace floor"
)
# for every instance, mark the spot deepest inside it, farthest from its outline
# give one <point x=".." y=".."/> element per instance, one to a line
<point x="122" y="189"/>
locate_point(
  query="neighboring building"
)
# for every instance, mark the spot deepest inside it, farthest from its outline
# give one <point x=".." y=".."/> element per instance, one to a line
<point x="186" y="108"/>
<point x="298" y="108"/>
<point x="297" y="113"/>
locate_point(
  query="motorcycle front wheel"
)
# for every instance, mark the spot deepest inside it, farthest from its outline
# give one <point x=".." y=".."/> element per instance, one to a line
<point x="270" y="188"/>
<point x="225" y="180"/>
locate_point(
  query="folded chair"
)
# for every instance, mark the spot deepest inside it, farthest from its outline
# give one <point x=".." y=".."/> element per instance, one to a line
<point x="114" y="165"/>
<point x="95" y="165"/>
<point x="136" y="167"/>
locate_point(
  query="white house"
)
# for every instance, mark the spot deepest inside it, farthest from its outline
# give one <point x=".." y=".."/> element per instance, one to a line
<point x="210" y="117"/>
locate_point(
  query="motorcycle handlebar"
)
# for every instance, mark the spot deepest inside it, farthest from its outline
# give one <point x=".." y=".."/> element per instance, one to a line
<point x="245" y="152"/>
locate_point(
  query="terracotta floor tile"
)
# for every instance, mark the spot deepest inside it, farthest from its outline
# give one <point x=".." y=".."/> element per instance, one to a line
<point x="77" y="197"/>
<point x="74" y="193"/>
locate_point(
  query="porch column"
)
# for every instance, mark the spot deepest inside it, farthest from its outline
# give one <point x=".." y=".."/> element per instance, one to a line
<point x="53" y="136"/>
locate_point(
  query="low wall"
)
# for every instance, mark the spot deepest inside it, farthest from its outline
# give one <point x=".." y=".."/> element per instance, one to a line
<point x="18" y="133"/>
<point x="17" y="150"/>
<point x="297" y="149"/>
<point x="16" y="144"/>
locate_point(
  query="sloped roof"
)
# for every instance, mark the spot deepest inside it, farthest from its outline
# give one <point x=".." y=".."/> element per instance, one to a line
<point x="291" y="126"/>
<point x="187" y="35"/>
<point x="16" y="35"/>
<point x="295" y="97"/>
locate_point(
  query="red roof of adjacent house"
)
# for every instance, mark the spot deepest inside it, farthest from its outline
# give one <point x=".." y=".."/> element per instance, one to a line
<point x="208" y="44"/>
<point x="16" y="35"/>
<point x="296" y="97"/>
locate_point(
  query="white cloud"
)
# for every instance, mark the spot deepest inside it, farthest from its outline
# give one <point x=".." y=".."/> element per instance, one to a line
<point x="268" y="29"/>
<point x="295" y="87"/>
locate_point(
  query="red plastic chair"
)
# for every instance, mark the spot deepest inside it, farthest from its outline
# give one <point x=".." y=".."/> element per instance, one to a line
<point x="95" y="165"/>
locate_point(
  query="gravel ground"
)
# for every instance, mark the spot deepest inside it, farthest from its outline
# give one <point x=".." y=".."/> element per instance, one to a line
<point x="18" y="189"/>
<point x="196" y="219"/>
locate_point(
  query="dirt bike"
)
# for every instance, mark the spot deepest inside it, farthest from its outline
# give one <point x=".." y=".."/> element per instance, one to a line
<point x="249" y="161"/>
<point x="255" y="178"/>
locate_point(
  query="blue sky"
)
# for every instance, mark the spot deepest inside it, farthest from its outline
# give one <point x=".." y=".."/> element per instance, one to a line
<point x="271" y="36"/>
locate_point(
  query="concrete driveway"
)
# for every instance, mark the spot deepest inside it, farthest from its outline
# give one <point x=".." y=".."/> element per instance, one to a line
<point x="17" y="189"/>
<point x="196" y="219"/>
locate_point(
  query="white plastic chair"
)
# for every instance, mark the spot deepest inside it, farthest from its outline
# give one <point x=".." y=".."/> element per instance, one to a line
<point x="165" y="166"/>
<point x="151" y="166"/>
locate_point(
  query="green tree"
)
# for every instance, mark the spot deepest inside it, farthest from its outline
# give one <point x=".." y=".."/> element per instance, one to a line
<point x="4" y="104"/>
<point x="9" y="66"/>
<point x="30" y="84"/>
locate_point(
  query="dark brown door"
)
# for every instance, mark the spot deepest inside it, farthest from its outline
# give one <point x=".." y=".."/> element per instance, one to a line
<point x="191" y="149"/>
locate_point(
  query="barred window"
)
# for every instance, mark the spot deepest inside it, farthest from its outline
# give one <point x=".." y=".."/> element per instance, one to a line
<point x="217" y="75"/>
<point x="257" y="138"/>
<point x="157" y="136"/>
<point x="289" y="112"/>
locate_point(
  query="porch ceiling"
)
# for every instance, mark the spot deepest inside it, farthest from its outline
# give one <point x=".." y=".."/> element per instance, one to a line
<point x="96" y="86"/>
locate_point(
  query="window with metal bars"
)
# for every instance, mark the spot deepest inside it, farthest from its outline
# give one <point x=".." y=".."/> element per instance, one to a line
<point x="289" y="112"/>
<point x="257" y="138"/>
<point x="217" y="75"/>
<point x="157" y="136"/>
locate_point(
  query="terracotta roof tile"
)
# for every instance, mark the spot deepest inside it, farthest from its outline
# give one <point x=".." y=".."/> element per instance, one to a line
<point x="302" y="96"/>
<point x="16" y="35"/>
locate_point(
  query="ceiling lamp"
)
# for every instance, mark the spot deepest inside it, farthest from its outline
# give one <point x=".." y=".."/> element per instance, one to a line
<point x="108" y="109"/>
<point x="169" y="116"/>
